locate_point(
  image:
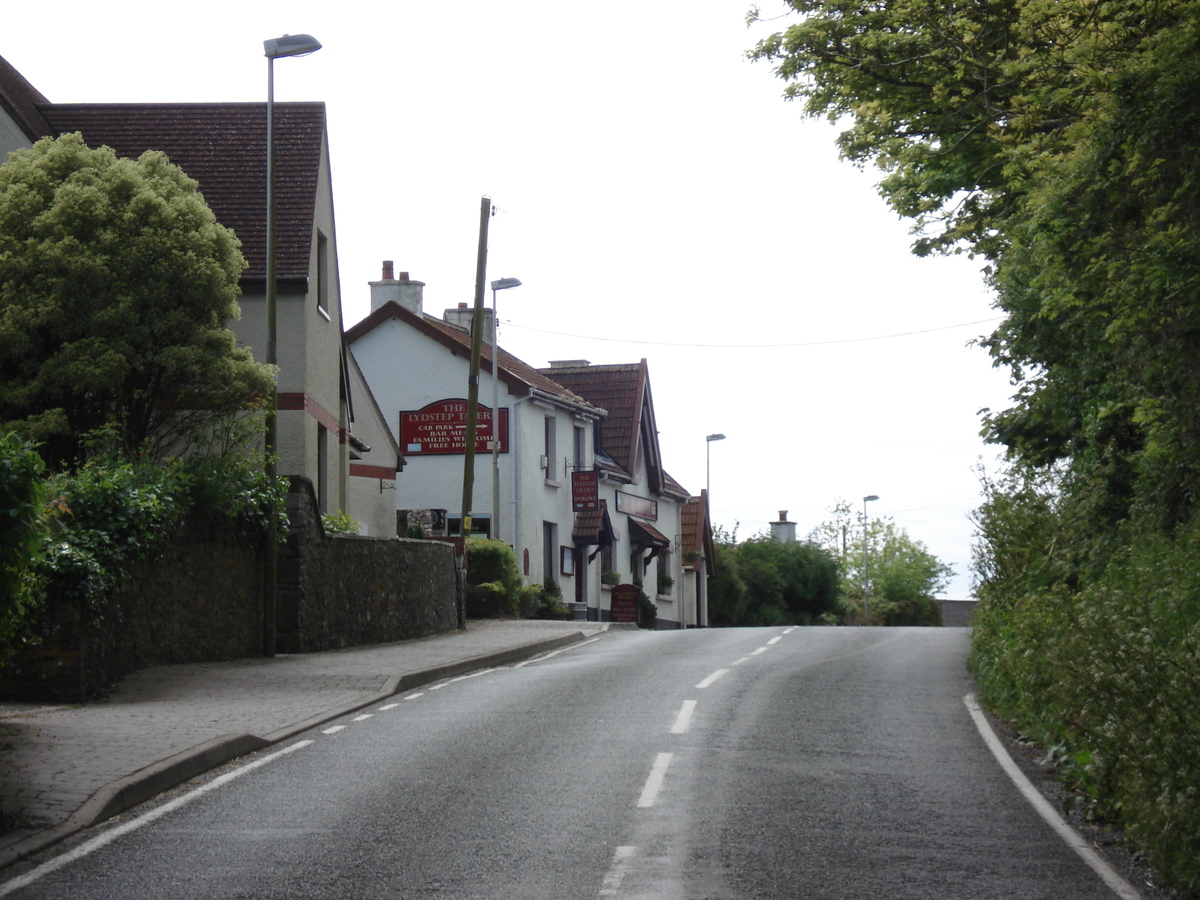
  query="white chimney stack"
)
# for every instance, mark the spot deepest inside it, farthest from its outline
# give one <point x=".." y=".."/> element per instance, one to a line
<point x="402" y="291"/>
<point x="783" y="530"/>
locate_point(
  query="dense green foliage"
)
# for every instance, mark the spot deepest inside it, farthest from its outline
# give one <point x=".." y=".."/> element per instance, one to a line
<point x="116" y="286"/>
<point x="111" y="513"/>
<point x="340" y="522"/>
<point x="22" y="509"/>
<point x="762" y="581"/>
<point x="904" y="576"/>
<point x="1059" y="140"/>
<point x="492" y="569"/>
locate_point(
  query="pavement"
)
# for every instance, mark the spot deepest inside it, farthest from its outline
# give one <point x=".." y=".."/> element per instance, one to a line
<point x="66" y="768"/>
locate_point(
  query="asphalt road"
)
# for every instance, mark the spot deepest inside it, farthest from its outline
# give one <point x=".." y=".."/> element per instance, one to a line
<point x="803" y="763"/>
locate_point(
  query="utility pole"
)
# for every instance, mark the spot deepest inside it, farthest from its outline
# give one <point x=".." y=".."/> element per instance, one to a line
<point x="485" y="211"/>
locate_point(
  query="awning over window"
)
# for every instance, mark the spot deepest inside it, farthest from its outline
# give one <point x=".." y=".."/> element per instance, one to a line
<point x="593" y="526"/>
<point x="646" y="535"/>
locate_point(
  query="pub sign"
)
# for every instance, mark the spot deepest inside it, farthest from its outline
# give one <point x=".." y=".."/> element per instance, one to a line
<point x="441" y="427"/>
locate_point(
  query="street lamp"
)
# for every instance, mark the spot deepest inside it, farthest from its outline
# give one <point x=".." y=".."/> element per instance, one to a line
<point x="501" y="284"/>
<point x="708" y="464"/>
<point x="276" y="48"/>
<point x="866" y="563"/>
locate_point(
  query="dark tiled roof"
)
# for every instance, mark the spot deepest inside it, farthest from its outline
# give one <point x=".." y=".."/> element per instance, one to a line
<point x="696" y="539"/>
<point x="23" y="102"/>
<point x="593" y="526"/>
<point x="515" y="373"/>
<point x="622" y="390"/>
<point x="223" y="146"/>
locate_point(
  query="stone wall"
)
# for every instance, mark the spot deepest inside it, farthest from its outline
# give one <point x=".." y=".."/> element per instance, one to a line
<point x="201" y="600"/>
<point x="345" y="591"/>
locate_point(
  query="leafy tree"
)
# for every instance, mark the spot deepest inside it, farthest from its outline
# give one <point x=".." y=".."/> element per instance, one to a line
<point x="726" y="590"/>
<point x="1059" y="140"/>
<point x="793" y="582"/>
<point x="904" y="575"/>
<point x="762" y="581"/>
<point x="116" y="284"/>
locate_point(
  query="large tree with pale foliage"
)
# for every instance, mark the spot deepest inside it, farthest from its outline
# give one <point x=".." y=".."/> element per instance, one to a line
<point x="116" y="287"/>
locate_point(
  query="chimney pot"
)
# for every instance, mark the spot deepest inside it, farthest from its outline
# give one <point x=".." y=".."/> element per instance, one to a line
<point x="387" y="270"/>
<point x="783" y="515"/>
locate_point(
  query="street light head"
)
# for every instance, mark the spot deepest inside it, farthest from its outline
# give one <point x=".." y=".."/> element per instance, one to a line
<point x="715" y="437"/>
<point x="291" y="45"/>
<point x="871" y="497"/>
<point x="502" y="284"/>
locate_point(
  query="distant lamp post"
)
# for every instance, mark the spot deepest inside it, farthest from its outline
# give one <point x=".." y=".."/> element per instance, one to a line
<point x="708" y="440"/>
<point x="501" y="284"/>
<point x="867" y="562"/>
<point x="276" y="48"/>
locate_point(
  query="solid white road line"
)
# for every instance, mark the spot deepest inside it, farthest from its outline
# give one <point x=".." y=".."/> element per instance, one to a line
<point x="1073" y="838"/>
<point x="554" y="653"/>
<point x="684" y="718"/>
<point x="655" y="781"/>
<point x="711" y="678"/>
<point x="145" y="819"/>
<point x="611" y="884"/>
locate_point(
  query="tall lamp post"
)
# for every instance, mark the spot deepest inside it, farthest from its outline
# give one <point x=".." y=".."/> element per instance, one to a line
<point x="867" y="562"/>
<point x="501" y="284"/>
<point x="276" y="48"/>
<point x="708" y="460"/>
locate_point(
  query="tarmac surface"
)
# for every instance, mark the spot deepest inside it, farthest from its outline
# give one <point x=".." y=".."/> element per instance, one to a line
<point x="65" y="768"/>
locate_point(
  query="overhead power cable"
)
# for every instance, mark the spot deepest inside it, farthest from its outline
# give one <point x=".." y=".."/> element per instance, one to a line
<point x="858" y="340"/>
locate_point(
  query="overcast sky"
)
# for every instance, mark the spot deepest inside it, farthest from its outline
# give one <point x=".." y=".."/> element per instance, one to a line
<point x="657" y="198"/>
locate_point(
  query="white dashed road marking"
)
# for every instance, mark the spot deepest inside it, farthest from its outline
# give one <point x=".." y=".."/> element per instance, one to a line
<point x="655" y="781"/>
<point x="684" y="718"/>
<point x="616" y="872"/>
<point x="711" y="678"/>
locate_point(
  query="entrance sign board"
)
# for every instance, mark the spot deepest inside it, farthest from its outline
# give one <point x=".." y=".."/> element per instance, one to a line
<point x="585" y="491"/>
<point x="625" y="603"/>
<point x="441" y="427"/>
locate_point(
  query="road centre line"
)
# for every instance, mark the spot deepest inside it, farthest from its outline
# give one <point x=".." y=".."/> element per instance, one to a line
<point x="742" y="660"/>
<point x="758" y="651"/>
<point x="611" y="884"/>
<point x="711" y="678"/>
<point x="389" y="706"/>
<point x="684" y="718"/>
<point x="654" y="783"/>
<point x="1070" y="836"/>
<point x="775" y="640"/>
<point x="334" y="729"/>
<point x="124" y="828"/>
<point x="415" y="696"/>
<point x="363" y="717"/>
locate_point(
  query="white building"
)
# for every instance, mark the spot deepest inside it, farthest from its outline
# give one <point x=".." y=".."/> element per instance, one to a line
<point x="557" y="436"/>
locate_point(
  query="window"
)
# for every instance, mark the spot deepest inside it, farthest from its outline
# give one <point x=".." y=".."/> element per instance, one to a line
<point x="580" y="449"/>
<point x="322" y="469"/>
<point x="323" y="274"/>
<point x="551" y="450"/>
<point x="549" y="552"/>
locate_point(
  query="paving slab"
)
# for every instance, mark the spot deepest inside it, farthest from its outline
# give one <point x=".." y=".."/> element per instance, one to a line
<point x="63" y="768"/>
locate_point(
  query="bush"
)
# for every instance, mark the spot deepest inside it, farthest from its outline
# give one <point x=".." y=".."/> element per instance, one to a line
<point x="493" y="563"/>
<point x="22" y="514"/>
<point x="340" y="523"/>
<point x="1103" y="666"/>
